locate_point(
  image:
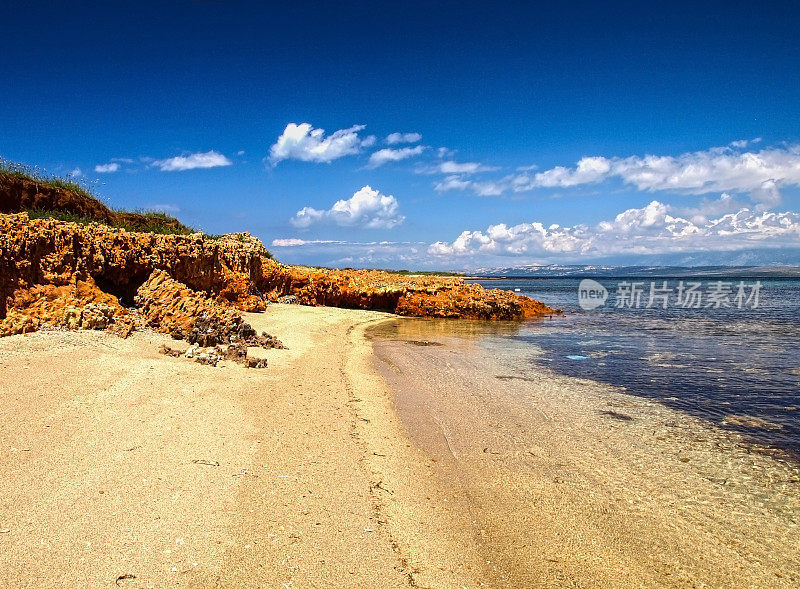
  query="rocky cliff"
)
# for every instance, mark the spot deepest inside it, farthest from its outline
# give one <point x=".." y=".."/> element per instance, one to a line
<point x="91" y="276"/>
<point x="19" y="194"/>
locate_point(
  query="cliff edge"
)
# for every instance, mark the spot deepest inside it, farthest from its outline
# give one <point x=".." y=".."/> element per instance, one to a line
<point x="92" y="274"/>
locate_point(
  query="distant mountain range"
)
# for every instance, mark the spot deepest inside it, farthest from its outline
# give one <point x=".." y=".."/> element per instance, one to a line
<point x="644" y="271"/>
<point x="769" y="263"/>
<point x="757" y="262"/>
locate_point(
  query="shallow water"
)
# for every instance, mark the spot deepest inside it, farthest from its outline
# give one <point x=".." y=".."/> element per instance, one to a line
<point x="571" y="482"/>
<point x="738" y="368"/>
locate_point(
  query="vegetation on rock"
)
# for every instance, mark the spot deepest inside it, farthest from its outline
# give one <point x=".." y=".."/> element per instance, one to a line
<point x="76" y="269"/>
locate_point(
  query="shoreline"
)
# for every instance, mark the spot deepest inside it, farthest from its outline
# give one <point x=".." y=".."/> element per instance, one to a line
<point x="340" y="465"/>
<point x="126" y="466"/>
<point x="570" y="481"/>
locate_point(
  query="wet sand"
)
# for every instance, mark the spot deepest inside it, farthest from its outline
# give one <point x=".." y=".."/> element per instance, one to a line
<point x="570" y="483"/>
<point x="123" y="467"/>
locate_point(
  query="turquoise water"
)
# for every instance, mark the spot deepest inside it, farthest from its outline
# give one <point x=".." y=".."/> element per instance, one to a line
<point x="737" y="367"/>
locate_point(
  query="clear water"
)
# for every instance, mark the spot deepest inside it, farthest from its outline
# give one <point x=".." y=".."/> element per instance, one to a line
<point x="739" y="368"/>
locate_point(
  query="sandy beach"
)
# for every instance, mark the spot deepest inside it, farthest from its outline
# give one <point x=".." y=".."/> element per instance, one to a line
<point x="124" y="467"/>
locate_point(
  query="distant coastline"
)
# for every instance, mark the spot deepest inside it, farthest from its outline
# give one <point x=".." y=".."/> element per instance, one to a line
<point x="643" y="271"/>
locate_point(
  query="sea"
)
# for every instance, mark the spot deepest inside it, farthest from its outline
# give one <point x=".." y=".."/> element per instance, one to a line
<point x="658" y="414"/>
<point x="724" y="347"/>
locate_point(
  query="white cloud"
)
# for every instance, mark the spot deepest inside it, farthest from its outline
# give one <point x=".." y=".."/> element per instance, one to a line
<point x="742" y="143"/>
<point x="463" y="168"/>
<point x="761" y="174"/>
<point x="648" y="230"/>
<point x="709" y="208"/>
<point x="488" y="188"/>
<point x="383" y="156"/>
<point x="452" y="183"/>
<point x="450" y="168"/>
<point x="209" y="159"/>
<point x="723" y="169"/>
<point x="588" y="170"/>
<point x="305" y="143"/>
<point x="297" y="242"/>
<point x="107" y="168"/>
<point x="366" y="208"/>
<point x="481" y="188"/>
<point x="395" y="138"/>
<point x="75" y="173"/>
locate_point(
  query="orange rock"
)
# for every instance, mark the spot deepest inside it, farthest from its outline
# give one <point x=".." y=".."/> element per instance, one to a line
<point x="414" y="296"/>
<point x="74" y="306"/>
<point x="172" y="307"/>
<point x="46" y="251"/>
<point x="51" y="271"/>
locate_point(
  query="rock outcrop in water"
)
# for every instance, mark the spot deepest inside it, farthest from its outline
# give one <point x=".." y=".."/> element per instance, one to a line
<point x="94" y="276"/>
<point x="412" y="296"/>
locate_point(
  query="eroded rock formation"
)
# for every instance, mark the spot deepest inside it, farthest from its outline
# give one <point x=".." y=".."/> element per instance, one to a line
<point x="171" y="307"/>
<point x="93" y="276"/>
<point x="412" y="296"/>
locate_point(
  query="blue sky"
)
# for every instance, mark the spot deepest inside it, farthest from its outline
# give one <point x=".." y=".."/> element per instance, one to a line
<point x="449" y="135"/>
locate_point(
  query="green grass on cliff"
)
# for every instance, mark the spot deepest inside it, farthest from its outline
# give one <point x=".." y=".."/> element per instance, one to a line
<point x="36" y="174"/>
<point x="426" y="273"/>
<point x="154" y="227"/>
<point x="147" y="220"/>
<point x="443" y="274"/>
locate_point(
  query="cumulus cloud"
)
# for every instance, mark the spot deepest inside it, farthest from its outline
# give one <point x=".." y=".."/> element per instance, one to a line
<point x="396" y="138"/>
<point x="366" y="208"/>
<point x="588" y="170"/>
<point x="761" y="174"/>
<point x="209" y="159"/>
<point x="305" y="143"/>
<point x="383" y="156"/>
<point x="709" y="208"/>
<point x="106" y="168"/>
<point x="648" y="230"/>
<point x="725" y="169"/>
